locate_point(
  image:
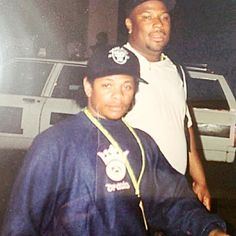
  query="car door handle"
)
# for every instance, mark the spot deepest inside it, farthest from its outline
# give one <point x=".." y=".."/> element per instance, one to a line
<point x="29" y="100"/>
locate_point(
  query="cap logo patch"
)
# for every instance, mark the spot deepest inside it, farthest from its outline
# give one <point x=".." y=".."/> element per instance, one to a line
<point x="119" y="55"/>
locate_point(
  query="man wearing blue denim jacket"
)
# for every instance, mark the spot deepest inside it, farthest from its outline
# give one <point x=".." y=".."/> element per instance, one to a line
<point x="93" y="174"/>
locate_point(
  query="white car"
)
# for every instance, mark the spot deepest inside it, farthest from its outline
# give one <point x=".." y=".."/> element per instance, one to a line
<point x="37" y="93"/>
<point x="214" y="110"/>
<point x="34" y="95"/>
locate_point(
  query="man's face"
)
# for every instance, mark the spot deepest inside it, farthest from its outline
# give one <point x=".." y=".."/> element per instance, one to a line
<point x="149" y="27"/>
<point x="110" y="97"/>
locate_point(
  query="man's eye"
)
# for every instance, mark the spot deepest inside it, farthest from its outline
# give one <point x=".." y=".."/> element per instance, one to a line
<point x="128" y="87"/>
<point x="107" y="85"/>
<point x="147" y="17"/>
<point x="165" y="17"/>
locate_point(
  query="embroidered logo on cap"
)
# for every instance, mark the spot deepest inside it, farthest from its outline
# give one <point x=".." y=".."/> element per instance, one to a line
<point x="119" y="55"/>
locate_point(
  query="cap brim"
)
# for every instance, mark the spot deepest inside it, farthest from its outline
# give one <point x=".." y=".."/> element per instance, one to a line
<point x="142" y="81"/>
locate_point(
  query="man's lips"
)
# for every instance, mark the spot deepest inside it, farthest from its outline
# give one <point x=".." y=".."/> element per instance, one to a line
<point x="115" y="108"/>
<point x="157" y="36"/>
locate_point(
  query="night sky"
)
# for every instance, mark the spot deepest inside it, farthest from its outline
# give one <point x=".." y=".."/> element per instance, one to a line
<point x="204" y="31"/>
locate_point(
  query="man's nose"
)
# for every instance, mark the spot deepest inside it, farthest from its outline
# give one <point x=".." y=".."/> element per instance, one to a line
<point x="157" y="22"/>
<point x="117" y="92"/>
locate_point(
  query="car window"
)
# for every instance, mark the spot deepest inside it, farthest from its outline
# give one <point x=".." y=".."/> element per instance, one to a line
<point x="206" y="94"/>
<point x="11" y="119"/>
<point x="24" y="78"/>
<point x="70" y="84"/>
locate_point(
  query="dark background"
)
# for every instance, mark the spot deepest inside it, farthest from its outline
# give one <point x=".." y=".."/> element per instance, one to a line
<point x="27" y="25"/>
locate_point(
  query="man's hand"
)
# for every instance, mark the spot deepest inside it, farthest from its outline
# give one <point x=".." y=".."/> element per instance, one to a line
<point x="217" y="232"/>
<point x="197" y="173"/>
<point x="202" y="194"/>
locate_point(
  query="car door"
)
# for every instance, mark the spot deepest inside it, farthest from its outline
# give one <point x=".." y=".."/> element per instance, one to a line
<point x="21" y="86"/>
<point x="66" y="97"/>
<point x="214" y="109"/>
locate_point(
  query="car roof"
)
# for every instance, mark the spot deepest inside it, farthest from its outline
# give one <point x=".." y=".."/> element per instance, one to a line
<point x="45" y="60"/>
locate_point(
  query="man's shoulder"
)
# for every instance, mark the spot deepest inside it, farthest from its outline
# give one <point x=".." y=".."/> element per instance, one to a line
<point x="70" y="128"/>
<point x="145" y="138"/>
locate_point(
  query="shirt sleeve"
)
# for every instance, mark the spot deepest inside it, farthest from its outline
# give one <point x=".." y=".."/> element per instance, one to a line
<point x="183" y="76"/>
<point x="189" y="122"/>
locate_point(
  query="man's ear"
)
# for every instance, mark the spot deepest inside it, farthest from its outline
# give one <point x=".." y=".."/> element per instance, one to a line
<point x="87" y="87"/>
<point x="128" y="24"/>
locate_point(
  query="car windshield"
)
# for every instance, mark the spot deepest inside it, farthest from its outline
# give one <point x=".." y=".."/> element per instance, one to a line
<point x="206" y="94"/>
<point x="69" y="82"/>
<point x="24" y="78"/>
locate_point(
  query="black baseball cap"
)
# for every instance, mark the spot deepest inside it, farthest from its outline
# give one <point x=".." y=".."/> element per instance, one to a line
<point x="131" y="4"/>
<point x="113" y="61"/>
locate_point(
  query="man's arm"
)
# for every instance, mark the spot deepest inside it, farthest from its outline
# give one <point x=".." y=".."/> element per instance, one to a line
<point x="174" y="208"/>
<point x="197" y="173"/>
<point x="195" y="166"/>
<point x="33" y="193"/>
